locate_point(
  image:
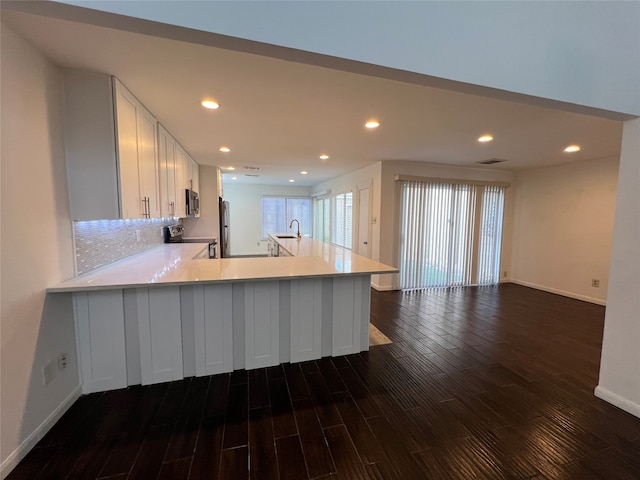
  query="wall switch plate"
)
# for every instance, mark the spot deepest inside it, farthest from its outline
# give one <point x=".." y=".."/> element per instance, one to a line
<point x="47" y="373"/>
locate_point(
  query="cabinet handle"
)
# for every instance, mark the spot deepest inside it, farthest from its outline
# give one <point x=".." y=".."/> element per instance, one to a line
<point x="146" y="212"/>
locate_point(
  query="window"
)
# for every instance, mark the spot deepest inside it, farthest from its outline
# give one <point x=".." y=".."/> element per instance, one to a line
<point x="342" y="220"/>
<point x="450" y="234"/>
<point x="321" y="219"/>
<point x="277" y="213"/>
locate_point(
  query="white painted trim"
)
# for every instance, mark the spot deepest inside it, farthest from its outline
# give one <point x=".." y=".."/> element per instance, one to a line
<point x="564" y="293"/>
<point x="34" y="437"/>
<point x="382" y="288"/>
<point x="618" y="401"/>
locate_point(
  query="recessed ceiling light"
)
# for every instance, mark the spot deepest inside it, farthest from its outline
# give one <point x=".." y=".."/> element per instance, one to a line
<point x="231" y="168"/>
<point x="234" y="178"/>
<point x="324" y="156"/>
<point x="572" y="148"/>
<point x="485" y="138"/>
<point x="303" y="172"/>
<point x="372" y="124"/>
<point x="224" y="149"/>
<point x="211" y="104"/>
<point x="291" y="180"/>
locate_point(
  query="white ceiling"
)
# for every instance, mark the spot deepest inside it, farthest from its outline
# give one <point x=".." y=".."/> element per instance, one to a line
<point x="279" y="115"/>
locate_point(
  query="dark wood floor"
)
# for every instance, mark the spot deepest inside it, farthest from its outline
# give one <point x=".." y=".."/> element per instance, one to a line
<point x="487" y="383"/>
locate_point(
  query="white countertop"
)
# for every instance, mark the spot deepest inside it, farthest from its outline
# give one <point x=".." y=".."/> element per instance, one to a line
<point x="173" y="264"/>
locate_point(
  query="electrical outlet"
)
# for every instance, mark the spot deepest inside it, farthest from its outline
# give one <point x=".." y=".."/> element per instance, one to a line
<point x="62" y="361"/>
<point x="504" y="274"/>
<point x="137" y="236"/>
<point x="595" y="283"/>
<point x="48" y="373"/>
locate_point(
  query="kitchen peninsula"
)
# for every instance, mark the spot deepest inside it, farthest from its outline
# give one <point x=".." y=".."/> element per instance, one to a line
<point x="166" y="314"/>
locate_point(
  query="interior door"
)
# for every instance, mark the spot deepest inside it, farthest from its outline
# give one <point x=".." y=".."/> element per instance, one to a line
<point x="364" y="215"/>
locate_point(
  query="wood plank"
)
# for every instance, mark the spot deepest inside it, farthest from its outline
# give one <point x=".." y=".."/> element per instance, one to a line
<point x="262" y="453"/>
<point x="291" y="465"/>
<point x="237" y="426"/>
<point x="234" y="464"/>
<point x="314" y="445"/>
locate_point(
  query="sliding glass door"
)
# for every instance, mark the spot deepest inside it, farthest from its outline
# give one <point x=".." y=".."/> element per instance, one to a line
<point x="449" y="234"/>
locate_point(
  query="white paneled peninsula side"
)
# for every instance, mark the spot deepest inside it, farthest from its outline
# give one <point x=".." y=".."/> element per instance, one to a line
<point x="165" y="314"/>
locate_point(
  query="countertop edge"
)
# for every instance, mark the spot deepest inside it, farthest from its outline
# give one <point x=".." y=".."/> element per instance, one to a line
<point x="153" y="269"/>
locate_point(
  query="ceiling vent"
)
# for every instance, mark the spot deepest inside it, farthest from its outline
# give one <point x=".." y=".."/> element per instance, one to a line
<point x="491" y="161"/>
<point x="251" y="175"/>
<point x="251" y="168"/>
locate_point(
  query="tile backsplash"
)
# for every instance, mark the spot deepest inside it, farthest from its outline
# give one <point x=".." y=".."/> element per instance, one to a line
<point x="101" y="242"/>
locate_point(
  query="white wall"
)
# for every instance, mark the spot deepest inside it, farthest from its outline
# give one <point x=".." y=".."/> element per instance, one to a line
<point x="207" y="225"/>
<point x="563" y="227"/>
<point x="245" y="215"/>
<point x="620" y="365"/>
<point x="554" y="50"/>
<point x="36" y="249"/>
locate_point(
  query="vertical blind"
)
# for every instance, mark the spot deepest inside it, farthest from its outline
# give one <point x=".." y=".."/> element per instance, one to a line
<point x="450" y="234"/>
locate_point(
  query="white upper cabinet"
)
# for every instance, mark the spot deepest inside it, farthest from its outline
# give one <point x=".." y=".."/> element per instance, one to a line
<point x="120" y="162"/>
<point x="195" y="176"/>
<point x="137" y="155"/>
<point x="182" y="180"/>
<point x="167" y="159"/>
<point x="90" y="145"/>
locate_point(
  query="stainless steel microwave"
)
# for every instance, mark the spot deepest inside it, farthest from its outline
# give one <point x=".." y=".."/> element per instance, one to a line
<point x="193" y="203"/>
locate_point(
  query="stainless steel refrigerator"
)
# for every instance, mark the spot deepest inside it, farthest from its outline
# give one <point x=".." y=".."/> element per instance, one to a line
<point x="224" y="228"/>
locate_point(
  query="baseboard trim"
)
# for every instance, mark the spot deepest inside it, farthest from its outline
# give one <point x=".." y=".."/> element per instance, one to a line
<point x="618" y="401"/>
<point x="25" y="447"/>
<point x="380" y="288"/>
<point x="564" y="293"/>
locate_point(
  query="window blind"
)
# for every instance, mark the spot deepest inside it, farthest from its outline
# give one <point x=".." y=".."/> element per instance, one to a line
<point x="342" y="218"/>
<point x="439" y="224"/>
<point x="277" y="213"/>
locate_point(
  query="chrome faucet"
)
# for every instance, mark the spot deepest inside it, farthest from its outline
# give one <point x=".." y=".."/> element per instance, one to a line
<point x="291" y="225"/>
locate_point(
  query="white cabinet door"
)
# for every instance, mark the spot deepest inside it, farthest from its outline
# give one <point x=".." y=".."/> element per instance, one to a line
<point x="182" y="180"/>
<point x="219" y="182"/>
<point x="148" y="161"/>
<point x="167" y="163"/>
<point x="262" y="324"/>
<point x="351" y="311"/>
<point x="101" y="340"/>
<point x="137" y="156"/>
<point x="131" y="204"/>
<point x="195" y="176"/>
<point x="306" y="319"/>
<point x="160" y="334"/>
<point x="212" y="310"/>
